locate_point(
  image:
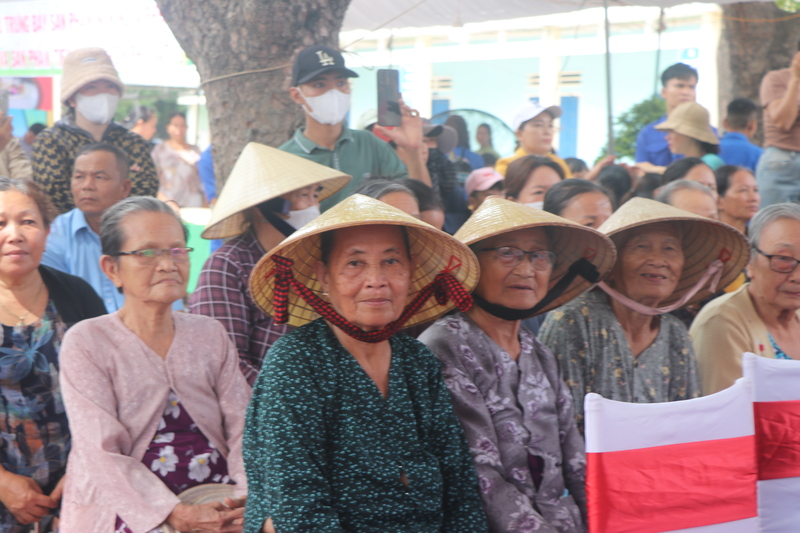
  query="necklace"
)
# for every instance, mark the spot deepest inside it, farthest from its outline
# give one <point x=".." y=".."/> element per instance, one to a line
<point x="21" y="323"/>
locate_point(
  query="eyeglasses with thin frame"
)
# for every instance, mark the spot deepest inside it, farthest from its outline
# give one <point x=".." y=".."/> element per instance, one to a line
<point x="149" y="256"/>
<point x="511" y="256"/>
<point x="782" y="264"/>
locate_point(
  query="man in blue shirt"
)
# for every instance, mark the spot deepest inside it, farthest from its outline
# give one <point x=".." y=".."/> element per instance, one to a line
<point x="99" y="180"/>
<point x="740" y="125"/>
<point x="679" y="85"/>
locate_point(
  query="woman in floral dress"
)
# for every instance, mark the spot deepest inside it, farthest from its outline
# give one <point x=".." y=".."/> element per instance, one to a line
<point x="37" y="305"/>
<point x="506" y="386"/>
<point x="155" y="398"/>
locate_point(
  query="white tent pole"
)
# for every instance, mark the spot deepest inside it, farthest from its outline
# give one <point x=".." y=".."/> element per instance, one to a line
<point x="609" y="110"/>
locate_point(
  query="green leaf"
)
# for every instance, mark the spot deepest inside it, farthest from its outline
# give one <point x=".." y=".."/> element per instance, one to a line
<point x="628" y="125"/>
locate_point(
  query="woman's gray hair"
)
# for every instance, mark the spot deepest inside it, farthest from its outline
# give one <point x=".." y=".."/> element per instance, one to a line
<point x="111" y="235"/>
<point x="668" y="191"/>
<point x="767" y="216"/>
<point x="378" y="188"/>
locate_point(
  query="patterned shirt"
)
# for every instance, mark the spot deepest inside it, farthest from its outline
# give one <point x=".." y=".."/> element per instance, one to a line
<point x="54" y="156"/>
<point x="34" y="433"/>
<point x="223" y="292"/>
<point x="326" y="452"/>
<point x="520" y="426"/>
<point x="596" y="357"/>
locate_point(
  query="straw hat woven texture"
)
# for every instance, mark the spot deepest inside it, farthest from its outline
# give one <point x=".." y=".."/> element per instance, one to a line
<point x="86" y="65"/>
<point x="690" y="119"/>
<point x="262" y="173"/>
<point x="568" y="240"/>
<point x="704" y="240"/>
<point x="432" y="249"/>
<point x="200" y="494"/>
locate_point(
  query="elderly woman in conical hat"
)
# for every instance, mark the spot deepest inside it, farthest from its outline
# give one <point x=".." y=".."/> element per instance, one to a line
<point x="620" y="341"/>
<point x="506" y="386"/>
<point x="268" y="195"/>
<point x="350" y="427"/>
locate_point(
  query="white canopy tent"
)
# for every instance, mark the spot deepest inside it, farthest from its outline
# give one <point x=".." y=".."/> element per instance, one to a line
<point x="375" y="14"/>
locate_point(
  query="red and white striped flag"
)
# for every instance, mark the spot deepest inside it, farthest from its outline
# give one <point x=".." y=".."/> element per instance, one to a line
<point x="776" y="397"/>
<point x="685" y="466"/>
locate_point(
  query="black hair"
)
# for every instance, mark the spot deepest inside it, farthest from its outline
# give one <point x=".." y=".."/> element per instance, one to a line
<point x="176" y="114"/>
<point x="559" y="195"/>
<point x="617" y="179"/>
<point x="678" y="169"/>
<point x="520" y="170"/>
<point x="576" y="165"/>
<point x="740" y="112"/>
<point x="723" y="177"/>
<point x="326" y="243"/>
<point x="427" y="198"/>
<point x="708" y="148"/>
<point x="489" y="160"/>
<point x="647" y="186"/>
<point x="137" y="113"/>
<point x="37" y="128"/>
<point x="460" y="125"/>
<point x="120" y="156"/>
<point x="681" y="71"/>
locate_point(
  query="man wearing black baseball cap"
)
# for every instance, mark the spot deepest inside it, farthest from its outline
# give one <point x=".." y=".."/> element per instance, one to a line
<point x="320" y="85"/>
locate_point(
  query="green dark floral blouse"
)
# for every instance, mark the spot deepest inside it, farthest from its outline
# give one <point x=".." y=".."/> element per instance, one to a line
<point x="54" y="156"/>
<point x="325" y="452"/>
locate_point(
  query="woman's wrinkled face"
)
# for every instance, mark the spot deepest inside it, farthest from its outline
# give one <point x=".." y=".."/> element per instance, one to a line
<point x="741" y="200"/>
<point x="536" y="135"/>
<point x="303" y="198"/>
<point x="539" y="182"/>
<point x="589" y="209"/>
<point x="781" y="237"/>
<point x="162" y="280"/>
<point x="650" y="264"/>
<point x="23" y="234"/>
<point x="519" y="286"/>
<point x="368" y="275"/>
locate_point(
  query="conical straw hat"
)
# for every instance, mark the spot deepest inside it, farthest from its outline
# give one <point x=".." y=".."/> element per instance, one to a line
<point x="704" y="240"/>
<point x="262" y="173"/>
<point x="568" y="240"/>
<point x="432" y="250"/>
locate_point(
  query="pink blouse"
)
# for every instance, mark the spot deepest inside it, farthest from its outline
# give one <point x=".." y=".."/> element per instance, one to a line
<point x="115" y="389"/>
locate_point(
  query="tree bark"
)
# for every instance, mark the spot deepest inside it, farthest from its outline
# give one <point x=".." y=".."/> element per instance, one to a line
<point x="224" y="37"/>
<point x="748" y="50"/>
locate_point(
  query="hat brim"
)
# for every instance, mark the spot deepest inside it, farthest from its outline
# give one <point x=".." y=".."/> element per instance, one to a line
<point x="690" y="131"/>
<point x="433" y="251"/>
<point x="568" y="240"/>
<point x="703" y="240"/>
<point x="311" y="75"/>
<point x="72" y="90"/>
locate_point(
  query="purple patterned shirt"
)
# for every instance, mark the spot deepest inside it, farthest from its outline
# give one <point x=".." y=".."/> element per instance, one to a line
<point x="223" y="292"/>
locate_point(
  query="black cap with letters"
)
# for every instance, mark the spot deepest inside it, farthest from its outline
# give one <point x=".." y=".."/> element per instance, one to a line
<point x="316" y="60"/>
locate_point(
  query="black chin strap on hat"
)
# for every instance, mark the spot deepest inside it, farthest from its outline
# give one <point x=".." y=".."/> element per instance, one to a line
<point x="582" y="267"/>
<point x="277" y="222"/>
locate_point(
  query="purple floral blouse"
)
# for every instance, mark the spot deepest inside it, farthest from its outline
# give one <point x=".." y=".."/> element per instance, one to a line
<point x="520" y="426"/>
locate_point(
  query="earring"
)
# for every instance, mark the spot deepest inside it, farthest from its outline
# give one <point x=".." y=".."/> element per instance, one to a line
<point x="325" y="293"/>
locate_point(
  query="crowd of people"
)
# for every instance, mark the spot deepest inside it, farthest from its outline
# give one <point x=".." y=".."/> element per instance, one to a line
<point x="376" y="344"/>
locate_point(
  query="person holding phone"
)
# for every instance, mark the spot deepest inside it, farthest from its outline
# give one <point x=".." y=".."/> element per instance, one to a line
<point x="320" y="86"/>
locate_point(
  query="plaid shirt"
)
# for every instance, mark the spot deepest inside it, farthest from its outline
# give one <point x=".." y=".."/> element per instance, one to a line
<point x="223" y="292"/>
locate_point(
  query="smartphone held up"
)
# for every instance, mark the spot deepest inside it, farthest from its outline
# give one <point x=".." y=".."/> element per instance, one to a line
<point x="389" y="98"/>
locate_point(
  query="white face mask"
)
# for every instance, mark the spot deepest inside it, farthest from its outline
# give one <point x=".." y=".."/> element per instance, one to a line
<point x="298" y="219"/>
<point x="329" y="108"/>
<point x="536" y="205"/>
<point x="99" y="108"/>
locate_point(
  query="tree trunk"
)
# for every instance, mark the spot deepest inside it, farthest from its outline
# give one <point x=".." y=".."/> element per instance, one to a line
<point x="748" y="50"/>
<point x="224" y="37"/>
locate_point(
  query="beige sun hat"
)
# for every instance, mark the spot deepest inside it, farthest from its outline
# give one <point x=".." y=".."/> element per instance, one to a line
<point x="86" y="65"/>
<point x="202" y="494"/>
<point x="703" y="239"/>
<point x="262" y="173"/>
<point x="434" y="251"/>
<point x="568" y="240"/>
<point x="690" y="119"/>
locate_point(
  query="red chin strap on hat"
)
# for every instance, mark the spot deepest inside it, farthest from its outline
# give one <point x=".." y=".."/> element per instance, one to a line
<point x="444" y="287"/>
<point x="713" y="272"/>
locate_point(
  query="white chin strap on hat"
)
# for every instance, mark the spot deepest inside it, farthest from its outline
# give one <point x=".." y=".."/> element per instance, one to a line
<point x="713" y="273"/>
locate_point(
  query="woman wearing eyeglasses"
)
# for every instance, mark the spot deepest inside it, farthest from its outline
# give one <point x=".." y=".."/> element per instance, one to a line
<point x="763" y="315"/>
<point x="506" y="386"/>
<point x="155" y="398"/>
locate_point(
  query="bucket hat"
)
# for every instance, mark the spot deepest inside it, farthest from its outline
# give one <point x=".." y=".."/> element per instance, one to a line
<point x="704" y="242"/>
<point x="573" y="244"/>
<point x="262" y="173"/>
<point x="690" y="119"/>
<point x="437" y="256"/>
<point x="86" y="65"/>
